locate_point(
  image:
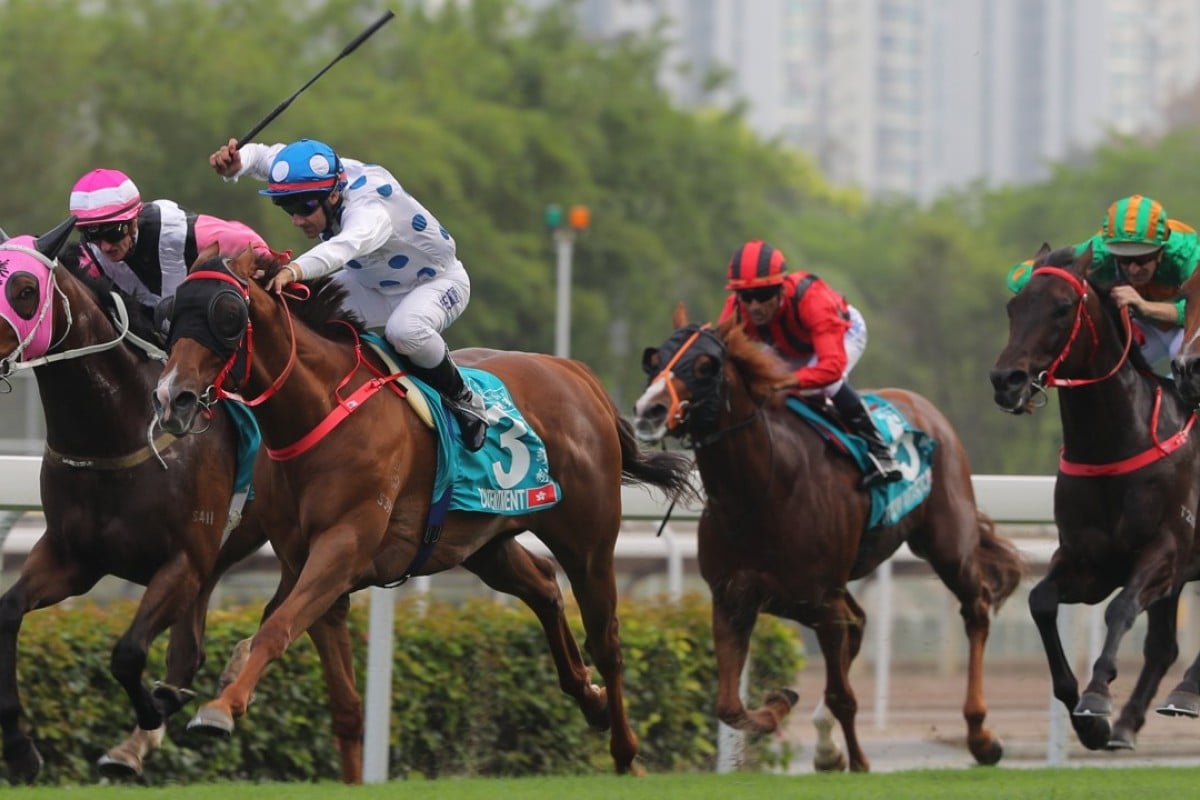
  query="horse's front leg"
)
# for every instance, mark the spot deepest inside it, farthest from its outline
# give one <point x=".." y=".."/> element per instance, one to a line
<point x="170" y="591"/>
<point x="1093" y="732"/>
<point x="1149" y="583"/>
<point x="1159" y="652"/>
<point x="734" y="615"/>
<point x="328" y="573"/>
<point x="44" y="581"/>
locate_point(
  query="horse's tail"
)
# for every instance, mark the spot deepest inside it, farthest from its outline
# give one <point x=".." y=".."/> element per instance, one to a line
<point x="999" y="560"/>
<point x="669" y="470"/>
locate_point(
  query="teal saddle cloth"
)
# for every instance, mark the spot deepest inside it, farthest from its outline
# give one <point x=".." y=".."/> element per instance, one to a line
<point x="510" y="474"/>
<point x="912" y="448"/>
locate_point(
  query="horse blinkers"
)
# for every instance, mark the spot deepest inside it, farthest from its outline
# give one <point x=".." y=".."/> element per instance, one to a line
<point x="209" y="312"/>
<point x="695" y="356"/>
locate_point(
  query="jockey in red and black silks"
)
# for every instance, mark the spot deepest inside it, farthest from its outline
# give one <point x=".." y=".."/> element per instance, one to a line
<point x="814" y="330"/>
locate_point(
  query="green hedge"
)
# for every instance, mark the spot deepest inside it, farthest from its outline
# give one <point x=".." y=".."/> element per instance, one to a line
<point x="474" y="694"/>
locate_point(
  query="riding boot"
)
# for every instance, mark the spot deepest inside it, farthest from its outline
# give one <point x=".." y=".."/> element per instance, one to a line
<point x="883" y="468"/>
<point x="467" y="407"/>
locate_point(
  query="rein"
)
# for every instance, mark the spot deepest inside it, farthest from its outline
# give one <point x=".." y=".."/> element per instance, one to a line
<point x="1158" y="449"/>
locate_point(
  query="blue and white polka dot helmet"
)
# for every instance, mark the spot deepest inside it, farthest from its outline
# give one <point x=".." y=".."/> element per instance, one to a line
<point x="304" y="166"/>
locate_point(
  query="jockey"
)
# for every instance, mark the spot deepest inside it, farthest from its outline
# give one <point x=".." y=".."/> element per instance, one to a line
<point x="1148" y="256"/>
<point x="814" y="330"/>
<point x="145" y="248"/>
<point x="397" y="263"/>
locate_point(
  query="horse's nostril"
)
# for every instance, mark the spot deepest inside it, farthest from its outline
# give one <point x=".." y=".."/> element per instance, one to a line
<point x="184" y="401"/>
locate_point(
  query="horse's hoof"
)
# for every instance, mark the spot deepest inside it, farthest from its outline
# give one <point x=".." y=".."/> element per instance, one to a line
<point x="988" y="755"/>
<point x="1120" y="741"/>
<point x="1180" y="704"/>
<point x="790" y="696"/>
<point x="826" y="762"/>
<point x="212" y="722"/>
<point x="1094" y="732"/>
<point x="23" y="760"/>
<point x="171" y="698"/>
<point x="1092" y="704"/>
<point x="116" y="769"/>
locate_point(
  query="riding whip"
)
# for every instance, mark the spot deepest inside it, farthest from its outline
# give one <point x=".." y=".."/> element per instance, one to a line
<point x="347" y="50"/>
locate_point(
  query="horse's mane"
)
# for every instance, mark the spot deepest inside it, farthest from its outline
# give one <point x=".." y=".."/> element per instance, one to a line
<point x="102" y="288"/>
<point x="762" y="370"/>
<point x="323" y="310"/>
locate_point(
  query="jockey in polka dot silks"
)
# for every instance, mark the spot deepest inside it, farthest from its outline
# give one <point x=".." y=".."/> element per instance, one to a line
<point x="397" y="263"/>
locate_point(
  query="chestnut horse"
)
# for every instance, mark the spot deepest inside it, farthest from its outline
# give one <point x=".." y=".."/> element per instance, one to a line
<point x="784" y="527"/>
<point x="1126" y="495"/>
<point x="363" y="479"/>
<point x="118" y="500"/>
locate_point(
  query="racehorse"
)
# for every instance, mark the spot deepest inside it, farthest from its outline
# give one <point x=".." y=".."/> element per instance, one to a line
<point x="362" y="472"/>
<point x="784" y="527"/>
<point x="117" y="500"/>
<point x="1125" y="498"/>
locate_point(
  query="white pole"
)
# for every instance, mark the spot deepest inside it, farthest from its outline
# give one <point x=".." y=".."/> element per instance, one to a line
<point x="378" y="718"/>
<point x="883" y="642"/>
<point x="564" y="240"/>
<point x="379" y="685"/>
<point x="674" y="566"/>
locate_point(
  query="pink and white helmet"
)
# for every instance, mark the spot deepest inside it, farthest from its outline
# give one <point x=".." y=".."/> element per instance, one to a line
<point x="104" y="195"/>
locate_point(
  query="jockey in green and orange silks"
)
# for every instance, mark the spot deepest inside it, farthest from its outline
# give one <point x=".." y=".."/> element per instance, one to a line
<point x="1148" y="256"/>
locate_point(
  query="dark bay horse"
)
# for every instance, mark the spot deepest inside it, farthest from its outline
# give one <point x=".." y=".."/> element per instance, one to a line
<point x="118" y="500"/>
<point x="363" y="490"/>
<point x="783" y="530"/>
<point x="1125" y="499"/>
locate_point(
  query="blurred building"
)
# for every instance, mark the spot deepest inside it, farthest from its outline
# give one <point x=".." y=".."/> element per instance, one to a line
<point x="910" y="97"/>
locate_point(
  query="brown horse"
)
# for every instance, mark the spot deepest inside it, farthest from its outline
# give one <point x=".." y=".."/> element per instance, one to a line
<point x="1126" y="496"/>
<point x="363" y="490"/>
<point x="117" y="500"/>
<point x="784" y="527"/>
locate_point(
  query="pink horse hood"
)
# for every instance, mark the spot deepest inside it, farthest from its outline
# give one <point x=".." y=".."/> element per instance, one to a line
<point x="33" y="327"/>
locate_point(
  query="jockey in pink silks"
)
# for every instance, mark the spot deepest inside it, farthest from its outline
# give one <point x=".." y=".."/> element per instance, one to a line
<point x="146" y="248"/>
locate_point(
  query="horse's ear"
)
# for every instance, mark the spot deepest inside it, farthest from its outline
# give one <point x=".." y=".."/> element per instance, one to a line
<point x="1043" y="251"/>
<point x="1083" y="260"/>
<point x="680" y="318"/>
<point x="50" y="244"/>
<point x="3" y="236"/>
<point x="245" y="264"/>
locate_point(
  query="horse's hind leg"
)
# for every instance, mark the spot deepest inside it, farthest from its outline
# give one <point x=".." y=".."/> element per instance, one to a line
<point x="839" y="630"/>
<point x="44" y="581"/>
<point x="506" y="566"/>
<point x="975" y="607"/>
<point x="594" y="584"/>
<point x="1159" y="651"/>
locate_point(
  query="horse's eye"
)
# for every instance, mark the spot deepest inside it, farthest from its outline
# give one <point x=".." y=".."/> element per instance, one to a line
<point x="1064" y="309"/>
<point x="705" y="366"/>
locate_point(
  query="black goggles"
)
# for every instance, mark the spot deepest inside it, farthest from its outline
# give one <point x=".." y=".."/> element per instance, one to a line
<point x="761" y="294"/>
<point x="303" y="206"/>
<point x="112" y="232"/>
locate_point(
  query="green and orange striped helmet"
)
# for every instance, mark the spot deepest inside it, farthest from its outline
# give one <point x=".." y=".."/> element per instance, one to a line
<point x="1135" y="226"/>
<point x="756" y="264"/>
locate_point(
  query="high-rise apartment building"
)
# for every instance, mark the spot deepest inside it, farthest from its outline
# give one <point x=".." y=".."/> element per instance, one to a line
<point x="910" y="97"/>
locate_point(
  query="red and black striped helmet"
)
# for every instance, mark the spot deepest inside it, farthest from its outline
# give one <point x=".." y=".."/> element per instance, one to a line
<point x="755" y="264"/>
